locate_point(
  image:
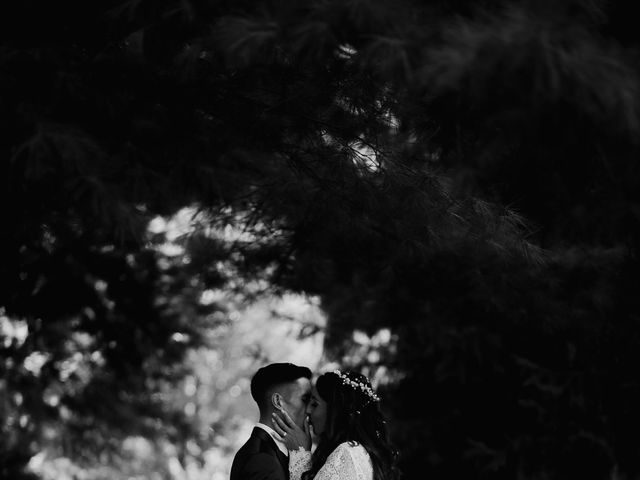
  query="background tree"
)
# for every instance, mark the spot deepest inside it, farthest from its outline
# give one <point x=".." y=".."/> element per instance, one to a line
<point x="459" y="174"/>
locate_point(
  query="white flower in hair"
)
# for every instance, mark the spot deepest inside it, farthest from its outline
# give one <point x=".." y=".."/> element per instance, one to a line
<point x="366" y="389"/>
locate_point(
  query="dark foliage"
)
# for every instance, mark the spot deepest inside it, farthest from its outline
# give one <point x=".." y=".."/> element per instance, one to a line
<point x="460" y="173"/>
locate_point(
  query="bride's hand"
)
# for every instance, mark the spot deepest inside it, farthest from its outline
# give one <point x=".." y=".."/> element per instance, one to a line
<point x="292" y="435"/>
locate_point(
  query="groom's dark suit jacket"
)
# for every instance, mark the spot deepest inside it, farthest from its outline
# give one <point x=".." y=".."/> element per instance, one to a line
<point x="260" y="459"/>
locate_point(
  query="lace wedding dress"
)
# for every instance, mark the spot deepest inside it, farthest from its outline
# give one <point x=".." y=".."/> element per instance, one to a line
<point x="349" y="461"/>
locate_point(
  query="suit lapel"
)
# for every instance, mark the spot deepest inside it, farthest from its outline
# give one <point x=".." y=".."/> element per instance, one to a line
<point x="284" y="460"/>
<point x="270" y="444"/>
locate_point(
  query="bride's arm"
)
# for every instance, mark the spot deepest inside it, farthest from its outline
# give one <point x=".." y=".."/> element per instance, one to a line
<point x="299" y="462"/>
<point x="339" y="465"/>
<point x="297" y="441"/>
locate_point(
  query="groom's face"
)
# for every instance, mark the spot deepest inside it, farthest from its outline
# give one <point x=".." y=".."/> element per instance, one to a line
<point x="295" y="399"/>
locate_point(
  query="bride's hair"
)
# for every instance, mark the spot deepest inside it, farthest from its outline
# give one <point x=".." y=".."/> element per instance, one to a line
<point x="353" y="415"/>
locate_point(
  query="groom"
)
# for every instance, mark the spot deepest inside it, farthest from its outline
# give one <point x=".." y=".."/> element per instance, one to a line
<point x="273" y="387"/>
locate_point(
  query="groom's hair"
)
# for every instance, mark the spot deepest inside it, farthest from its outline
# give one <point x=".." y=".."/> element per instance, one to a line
<point x="274" y="374"/>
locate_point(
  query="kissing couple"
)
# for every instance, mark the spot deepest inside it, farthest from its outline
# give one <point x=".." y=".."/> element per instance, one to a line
<point x="330" y="428"/>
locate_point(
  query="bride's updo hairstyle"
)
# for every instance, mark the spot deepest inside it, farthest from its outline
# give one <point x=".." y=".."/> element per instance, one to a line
<point x="353" y="415"/>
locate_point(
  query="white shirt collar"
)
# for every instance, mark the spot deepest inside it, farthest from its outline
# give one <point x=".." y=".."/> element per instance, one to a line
<point x="272" y="433"/>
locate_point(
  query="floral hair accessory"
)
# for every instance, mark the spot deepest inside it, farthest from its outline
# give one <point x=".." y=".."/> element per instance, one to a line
<point x="366" y="389"/>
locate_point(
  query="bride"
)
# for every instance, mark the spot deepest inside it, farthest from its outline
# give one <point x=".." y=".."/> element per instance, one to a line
<point x="353" y="443"/>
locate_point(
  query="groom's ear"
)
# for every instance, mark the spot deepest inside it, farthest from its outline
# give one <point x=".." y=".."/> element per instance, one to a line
<point x="276" y="401"/>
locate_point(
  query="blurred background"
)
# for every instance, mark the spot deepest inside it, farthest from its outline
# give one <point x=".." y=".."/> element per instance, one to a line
<point x="444" y="195"/>
<point x="193" y="412"/>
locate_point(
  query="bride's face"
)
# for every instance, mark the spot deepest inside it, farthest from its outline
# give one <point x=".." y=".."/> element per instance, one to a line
<point x="317" y="411"/>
